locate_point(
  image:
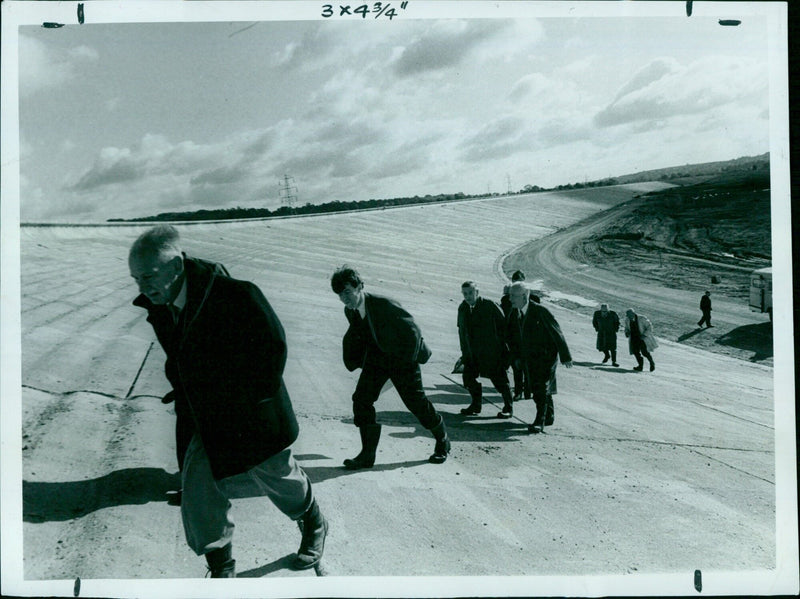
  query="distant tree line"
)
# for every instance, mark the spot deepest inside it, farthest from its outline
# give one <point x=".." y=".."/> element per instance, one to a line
<point x="335" y="206"/>
<point x="754" y="163"/>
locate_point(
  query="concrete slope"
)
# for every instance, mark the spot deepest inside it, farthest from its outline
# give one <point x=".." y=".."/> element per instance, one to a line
<point x="642" y="473"/>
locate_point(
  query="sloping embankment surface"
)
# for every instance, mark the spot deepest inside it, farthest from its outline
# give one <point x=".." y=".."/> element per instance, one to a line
<point x="642" y="472"/>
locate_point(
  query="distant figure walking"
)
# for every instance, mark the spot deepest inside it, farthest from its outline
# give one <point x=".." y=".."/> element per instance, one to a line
<point x="641" y="341"/>
<point x="536" y="340"/>
<point x="226" y="351"/>
<point x="385" y="342"/>
<point x="481" y="335"/>
<point x="705" y="308"/>
<point x="606" y="323"/>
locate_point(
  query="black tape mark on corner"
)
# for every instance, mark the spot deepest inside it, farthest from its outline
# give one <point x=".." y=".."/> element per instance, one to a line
<point x="48" y="25"/>
<point x="688" y="8"/>
<point x="77" y="590"/>
<point x="80" y="13"/>
<point x="698" y="581"/>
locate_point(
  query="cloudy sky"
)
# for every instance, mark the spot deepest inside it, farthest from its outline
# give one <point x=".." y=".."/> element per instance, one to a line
<point x="132" y="119"/>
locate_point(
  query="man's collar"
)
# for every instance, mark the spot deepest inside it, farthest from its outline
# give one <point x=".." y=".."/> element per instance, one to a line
<point x="180" y="301"/>
<point x="362" y="308"/>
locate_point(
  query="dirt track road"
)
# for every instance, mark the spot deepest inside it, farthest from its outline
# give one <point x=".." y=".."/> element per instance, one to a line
<point x="550" y="261"/>
<point x="643" y="473"/>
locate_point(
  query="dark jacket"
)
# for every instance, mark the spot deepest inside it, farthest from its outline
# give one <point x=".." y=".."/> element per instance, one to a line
<point x="225" y="362"/>
<point x="481" y="334"/>
<point x="606" y="327"/>
<point x="539" y="339"/>
<point x="705" y="303"/>
<point x="393" y="331"/>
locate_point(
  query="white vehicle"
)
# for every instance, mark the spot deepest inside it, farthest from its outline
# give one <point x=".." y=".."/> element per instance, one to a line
<point x="761" y="291"/>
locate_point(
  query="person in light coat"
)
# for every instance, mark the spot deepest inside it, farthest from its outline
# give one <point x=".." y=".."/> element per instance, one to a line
<point x="641" y="341"/>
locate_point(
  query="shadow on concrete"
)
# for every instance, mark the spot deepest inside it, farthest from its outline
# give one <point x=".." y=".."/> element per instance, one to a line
<point x="58" y="501"/>
<point x="283" y="563"/>
<point x="311" y="456"/>
<point x="690" y="334"/>
<point x="318" y="474"/>
<point x="756" y="338"/>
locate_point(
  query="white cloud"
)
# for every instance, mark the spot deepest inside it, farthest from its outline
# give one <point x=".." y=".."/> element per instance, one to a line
<point x="664" y="89"/>
<point x="38" y="68"/>
<point x="41" y="68"/>
<point x="84" y="53"/>
<point x="444" y="44"/>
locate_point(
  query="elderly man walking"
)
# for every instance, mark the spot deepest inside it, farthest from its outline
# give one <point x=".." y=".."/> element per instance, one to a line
<point x="537" y="341"/>
<point x="226" y="352"/>
<point x="606" y="323"/>
<point x="481" y="334"/>
<point x="641" y="340"/>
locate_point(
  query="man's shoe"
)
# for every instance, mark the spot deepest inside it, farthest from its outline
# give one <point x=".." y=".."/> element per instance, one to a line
<point x="221" y="563"/>
<point x="440" y="451"/>
<point x="506" y="412"/>
<point x="639" y="368"/>
<point x="314" y="528"/>
<point x="535" y="428"/>
<point x="709" y="326"/>
<point x="615" y="365"/>
<point x="227" y="570"/>
<point x="652" y="366"/>
<point x="605" y="359"/>
<point x="471" y="410"/>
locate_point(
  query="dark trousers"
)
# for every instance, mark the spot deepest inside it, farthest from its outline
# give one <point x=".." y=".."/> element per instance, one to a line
<point x="539" y="370"/>
<point x="407" y="380"/>
<point x="521" y="382"/>
<point x="706" y="318"/>
<point x="499" y="380"/>
<point x="612" y="352"/>
<point x="639" y="350"/>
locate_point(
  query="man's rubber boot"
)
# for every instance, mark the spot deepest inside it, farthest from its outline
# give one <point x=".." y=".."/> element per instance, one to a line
<point x="221" y="563"/>
<point x="314" y="528"/>
<point x="370" y="435"/>
<point x="476" y="396"/>
<point x="442" y="448"/>
<point x="551" y="413"/>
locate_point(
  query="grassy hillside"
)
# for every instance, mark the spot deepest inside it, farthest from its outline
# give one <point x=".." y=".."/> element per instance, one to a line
<point x="706" y="235"/>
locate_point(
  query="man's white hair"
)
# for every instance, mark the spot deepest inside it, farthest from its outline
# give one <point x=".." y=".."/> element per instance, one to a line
<point x="162" y="241"/>
<point x="519" y="285"/>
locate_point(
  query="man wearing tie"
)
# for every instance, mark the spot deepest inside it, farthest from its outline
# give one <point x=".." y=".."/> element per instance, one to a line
<point x="384" y="341"/>
<point x="226" y="352"/>
<point x="536" y="340"/>
<point x="481" y="335"/>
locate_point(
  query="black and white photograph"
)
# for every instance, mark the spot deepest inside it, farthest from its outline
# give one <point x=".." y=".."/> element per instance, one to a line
<point x="396" y="299"/>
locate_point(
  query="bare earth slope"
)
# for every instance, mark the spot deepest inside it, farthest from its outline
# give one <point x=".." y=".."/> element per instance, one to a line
<point x="655" y="255"/>
<point x="642" y="472"/>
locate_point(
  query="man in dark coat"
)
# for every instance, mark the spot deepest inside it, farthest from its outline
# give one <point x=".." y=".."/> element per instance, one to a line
<point x="521" y="384"/>
<point x="384" y="341"/>
<point x="535" y="338"/>
<point x="705" y="308"/>
<point x="606" y="323"/>
<point x="481" y="334"/>
<point x="226" y="351"/>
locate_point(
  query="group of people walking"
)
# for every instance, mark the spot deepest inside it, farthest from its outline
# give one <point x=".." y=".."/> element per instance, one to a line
<point x="225" y="356"/>
<point x="527" y="338"/>
<point x="638" y="330"/>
